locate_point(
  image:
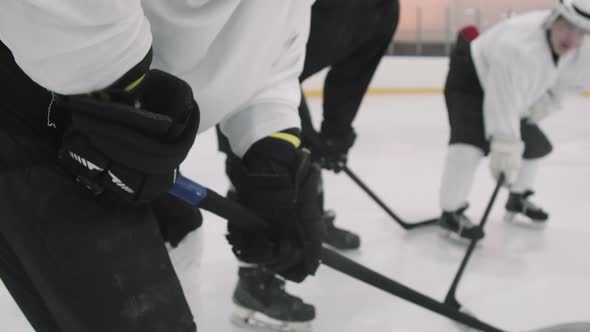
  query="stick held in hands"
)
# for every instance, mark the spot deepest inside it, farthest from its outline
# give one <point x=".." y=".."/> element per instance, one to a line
<point x="199" y="196"/>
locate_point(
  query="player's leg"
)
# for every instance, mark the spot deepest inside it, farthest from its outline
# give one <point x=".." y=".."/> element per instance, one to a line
<point x="519" y="202"/>
<point x="96" y="268"/>
<point x="467" y="142"/>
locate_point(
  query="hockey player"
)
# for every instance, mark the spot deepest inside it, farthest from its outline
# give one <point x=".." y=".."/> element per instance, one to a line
<point x="91" y="140"/>
<point x="256" y="81"/>
<point x="350" y="37"/>
<point x="499" y="86"/>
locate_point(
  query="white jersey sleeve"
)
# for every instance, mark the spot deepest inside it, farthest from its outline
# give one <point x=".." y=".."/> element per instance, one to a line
<point x="73" y="46"/>
<point x="504" y="100"/>
<point x="275" y="106"/>
<point x="515" y="68"/>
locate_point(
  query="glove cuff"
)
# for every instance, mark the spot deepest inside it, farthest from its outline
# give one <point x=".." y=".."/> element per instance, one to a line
<point x="329" y="131"/>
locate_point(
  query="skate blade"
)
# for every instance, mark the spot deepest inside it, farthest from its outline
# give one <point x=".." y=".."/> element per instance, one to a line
<point x="517" y="219"/>
<point x="457" y="239"/>
<point x="247" y="318"/>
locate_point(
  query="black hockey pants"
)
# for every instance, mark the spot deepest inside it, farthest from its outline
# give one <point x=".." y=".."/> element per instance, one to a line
<point x="350" y="37"/>
<point x="71" y="263"/>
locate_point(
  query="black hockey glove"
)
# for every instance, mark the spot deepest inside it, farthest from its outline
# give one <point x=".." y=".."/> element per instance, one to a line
<point x="280" y="184"/>
<point x="332" y="151"/>
<point x="176" y="218"/>
<point x="127" y="142"/>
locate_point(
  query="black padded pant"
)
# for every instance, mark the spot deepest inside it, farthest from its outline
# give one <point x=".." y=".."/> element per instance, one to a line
<point x="72" y="263"/>
<point x="350" y="37"/>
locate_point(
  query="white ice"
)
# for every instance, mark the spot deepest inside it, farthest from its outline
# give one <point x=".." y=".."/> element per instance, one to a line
<point x="520" y="278"/>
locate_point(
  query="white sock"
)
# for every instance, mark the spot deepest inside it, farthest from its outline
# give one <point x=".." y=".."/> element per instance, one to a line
<point x="525" y="180"/>
<point x="460" y="166"/>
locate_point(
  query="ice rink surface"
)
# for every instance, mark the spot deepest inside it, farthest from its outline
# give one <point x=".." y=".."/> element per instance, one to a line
<point x="520" y="278"/>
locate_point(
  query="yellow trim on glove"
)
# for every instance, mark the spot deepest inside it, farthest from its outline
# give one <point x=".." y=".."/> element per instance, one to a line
<point x="134" y="84"/>
<point x="296" y="141"/>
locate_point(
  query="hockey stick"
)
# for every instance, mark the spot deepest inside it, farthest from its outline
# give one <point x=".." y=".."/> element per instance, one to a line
<point x="202" y="197"/>
<point x="404" y="224"/>
<point x="450" y="299"/>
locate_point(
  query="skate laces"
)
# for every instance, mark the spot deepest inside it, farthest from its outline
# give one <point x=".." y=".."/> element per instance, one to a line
<point x="277" y="288"/>
<point x="462" y="220"/>
<point x="274" y="287"/>
<point x="464" y="223"/>
<point x="526" y="203"/>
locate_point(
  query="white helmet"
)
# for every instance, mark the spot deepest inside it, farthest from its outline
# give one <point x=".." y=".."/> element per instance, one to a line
<point x="575" y="11"/>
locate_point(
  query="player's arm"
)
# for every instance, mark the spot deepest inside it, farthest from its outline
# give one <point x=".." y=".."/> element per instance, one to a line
<point x="72" y="47"/>
<point x="275" y="107"/>
<point x="130" y="127"/>
<point x="272" y="175"/>
<point x="503" y="105"/>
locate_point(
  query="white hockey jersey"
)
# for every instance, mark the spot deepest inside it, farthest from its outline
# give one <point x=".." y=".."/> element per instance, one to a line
<point x="73" y="46"/>
<point x="515" y="67"/>
<point x="241" y="57"/>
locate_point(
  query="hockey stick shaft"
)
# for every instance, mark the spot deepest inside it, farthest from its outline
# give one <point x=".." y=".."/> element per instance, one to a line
<point x="379" y="202"/>
<point x="450" y="298"/>
<point x="202" y="197"/>
<point x="357" y="271"/>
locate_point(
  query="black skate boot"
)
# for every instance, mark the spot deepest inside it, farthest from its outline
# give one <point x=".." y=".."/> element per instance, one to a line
<point x="261" y="302"/>
<point x="457" y="223"/>
<point x="519" y="204"/>
<point x="337" y="237"/>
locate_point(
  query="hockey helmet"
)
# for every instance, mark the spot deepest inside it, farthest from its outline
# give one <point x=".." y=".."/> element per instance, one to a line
<point x="576" y="12"/>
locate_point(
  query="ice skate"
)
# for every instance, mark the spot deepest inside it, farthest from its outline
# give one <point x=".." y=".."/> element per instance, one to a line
<point x="261" y="303"/>
<point x="519" y="205"/>
<point x="458" y="226"/>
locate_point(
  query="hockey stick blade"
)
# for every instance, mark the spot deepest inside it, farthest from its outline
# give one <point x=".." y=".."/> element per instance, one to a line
<point x="400" y="221"/>
<point x="202" y="197"/>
